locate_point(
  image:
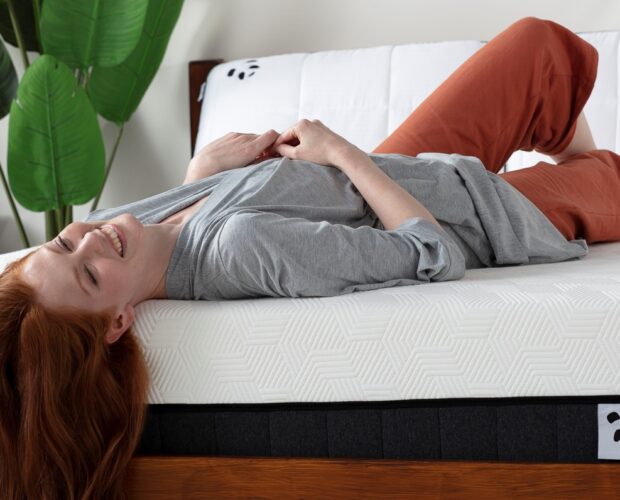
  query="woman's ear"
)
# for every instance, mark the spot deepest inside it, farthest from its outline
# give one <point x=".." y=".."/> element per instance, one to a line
<point x="120" y="324"/>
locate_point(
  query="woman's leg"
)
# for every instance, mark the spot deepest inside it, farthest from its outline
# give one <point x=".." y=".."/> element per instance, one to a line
<point x="581" y="194"/>
<point x="582" y="141"/>
<point x="523" y="90"/>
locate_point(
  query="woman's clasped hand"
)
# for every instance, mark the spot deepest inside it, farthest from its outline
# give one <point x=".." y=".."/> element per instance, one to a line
<point x="311" y="140"/>
<point x="233" y="150"/>
<point x="306" y="140"/>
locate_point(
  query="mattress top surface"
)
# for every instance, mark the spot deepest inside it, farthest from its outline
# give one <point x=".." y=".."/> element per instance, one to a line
<point x="537" y="330"/>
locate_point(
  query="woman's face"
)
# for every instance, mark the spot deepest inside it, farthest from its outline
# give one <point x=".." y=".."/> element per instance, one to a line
<point x="86" y="268"/>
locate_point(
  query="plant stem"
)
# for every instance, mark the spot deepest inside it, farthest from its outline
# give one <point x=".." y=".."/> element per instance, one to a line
<point x="109" y="165"/>
<point x="18" y="34"/>
<point x="59" y="220"/>
<point x="68" y="214"/>
<point x="18" y="220"/>
<point x="36" y="8"/>
<point x="50" y="225"/>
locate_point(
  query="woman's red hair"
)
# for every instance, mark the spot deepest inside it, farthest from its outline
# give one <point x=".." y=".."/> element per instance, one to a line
<point x="73" y="405"/>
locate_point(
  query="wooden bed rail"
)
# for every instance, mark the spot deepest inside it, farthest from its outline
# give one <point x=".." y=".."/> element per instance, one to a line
<point x="198" y="72"/>
<point x="233" y="477"/>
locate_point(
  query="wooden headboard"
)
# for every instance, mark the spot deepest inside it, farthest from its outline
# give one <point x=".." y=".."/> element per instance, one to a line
<point x="198" y="71"/>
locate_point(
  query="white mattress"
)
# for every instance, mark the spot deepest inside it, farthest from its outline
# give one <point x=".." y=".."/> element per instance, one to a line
<point x="541" y="330"/>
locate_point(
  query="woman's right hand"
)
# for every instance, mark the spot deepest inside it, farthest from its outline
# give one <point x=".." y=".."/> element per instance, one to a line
<point x="233" y="150"/>
<point x="311" y="140"/>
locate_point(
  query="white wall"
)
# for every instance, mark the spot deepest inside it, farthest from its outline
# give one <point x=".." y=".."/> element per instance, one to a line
<point x="155" y="147"/>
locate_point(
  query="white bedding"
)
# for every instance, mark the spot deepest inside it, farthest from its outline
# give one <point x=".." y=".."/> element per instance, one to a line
<point x="541" y="330"/>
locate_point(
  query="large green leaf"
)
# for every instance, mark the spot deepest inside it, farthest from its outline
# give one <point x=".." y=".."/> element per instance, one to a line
<point x="84" y="33"/>
<point x="8" y="81"/>
<point x="56" y="153"/>
<point x="116" y="92"/>
<point x="25" y="18"/>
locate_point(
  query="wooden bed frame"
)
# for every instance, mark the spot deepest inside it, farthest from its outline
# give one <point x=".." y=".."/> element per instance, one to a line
<point x="224" y="477"/>
<point x="162" y="477"/>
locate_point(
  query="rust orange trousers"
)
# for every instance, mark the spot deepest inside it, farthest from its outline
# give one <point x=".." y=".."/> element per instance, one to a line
<point x="524" y="90"/>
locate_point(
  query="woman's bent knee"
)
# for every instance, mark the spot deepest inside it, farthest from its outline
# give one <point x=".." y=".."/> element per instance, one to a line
<point x="535" y="33"/>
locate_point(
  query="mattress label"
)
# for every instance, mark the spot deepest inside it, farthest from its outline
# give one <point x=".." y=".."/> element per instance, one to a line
<point x="609" y="431"/>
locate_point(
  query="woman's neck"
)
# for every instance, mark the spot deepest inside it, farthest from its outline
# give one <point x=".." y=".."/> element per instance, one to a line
<point x="168" y="234"/>
<point x="163" y="237"/>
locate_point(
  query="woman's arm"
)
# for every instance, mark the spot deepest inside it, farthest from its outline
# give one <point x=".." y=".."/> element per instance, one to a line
<point x="392" y="204"/>
<point x="313" y="141"/>
<point x="198" y="168"/>
<point x="321" y="259"/>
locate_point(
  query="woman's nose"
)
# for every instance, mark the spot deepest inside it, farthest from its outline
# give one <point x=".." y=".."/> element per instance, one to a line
<point x="91" y="242"/>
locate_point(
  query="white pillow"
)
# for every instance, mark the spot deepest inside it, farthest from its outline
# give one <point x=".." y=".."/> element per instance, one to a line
<point x="7" y="258"/>
<point x="361" y="94"/>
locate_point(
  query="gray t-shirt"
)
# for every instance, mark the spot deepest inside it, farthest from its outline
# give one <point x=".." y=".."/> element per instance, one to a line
<point x="293" y="228"/>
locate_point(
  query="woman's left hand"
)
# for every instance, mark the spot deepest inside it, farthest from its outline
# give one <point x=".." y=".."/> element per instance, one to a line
<point x="233" y="150"/>
<point x="311" y="140"/>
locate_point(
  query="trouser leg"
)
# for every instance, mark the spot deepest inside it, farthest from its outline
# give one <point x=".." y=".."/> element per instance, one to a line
<point x="524" y="90"/>
<point x="580" y="195"/>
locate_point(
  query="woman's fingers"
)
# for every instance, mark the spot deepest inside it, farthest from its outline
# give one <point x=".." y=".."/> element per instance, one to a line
<point x="265" y="140"/>
<point x="289" y="142"/>
<point x="286" y="150"/>
<point x="289" y="135"/>
<point x="262" y="145"/>
<point x="261" y="148"/>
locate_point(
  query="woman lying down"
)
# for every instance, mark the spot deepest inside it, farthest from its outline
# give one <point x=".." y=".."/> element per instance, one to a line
<point x="303" y="213"/>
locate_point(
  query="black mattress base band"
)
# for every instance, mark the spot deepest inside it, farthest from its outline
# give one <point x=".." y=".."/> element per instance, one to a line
<point x="540" y="429"/>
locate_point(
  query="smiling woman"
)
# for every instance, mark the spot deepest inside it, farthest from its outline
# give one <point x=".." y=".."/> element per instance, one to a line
<point x="98" y="267"/>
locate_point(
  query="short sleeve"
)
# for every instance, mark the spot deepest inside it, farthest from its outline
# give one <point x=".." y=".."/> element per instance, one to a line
<point x="268" y="254"/>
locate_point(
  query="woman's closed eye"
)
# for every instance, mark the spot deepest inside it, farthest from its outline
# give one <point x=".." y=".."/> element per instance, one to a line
<point x="91" y="277"/>
<point x="63" y="243"/>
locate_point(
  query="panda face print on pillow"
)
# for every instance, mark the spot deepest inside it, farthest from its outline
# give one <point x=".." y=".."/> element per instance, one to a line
<point x="247" y="70"/>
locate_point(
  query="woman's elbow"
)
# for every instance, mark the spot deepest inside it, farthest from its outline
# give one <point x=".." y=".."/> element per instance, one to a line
<point x="454" y="268"/>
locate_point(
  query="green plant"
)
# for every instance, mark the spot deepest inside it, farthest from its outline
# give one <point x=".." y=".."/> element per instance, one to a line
<point x="98" y="57"/>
